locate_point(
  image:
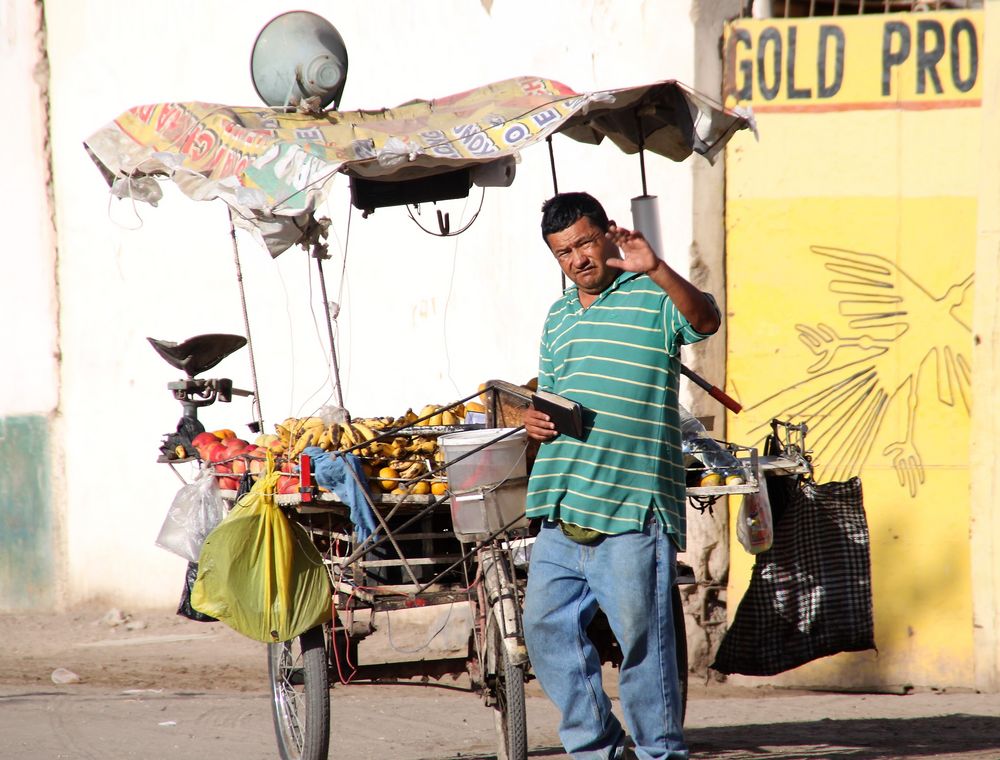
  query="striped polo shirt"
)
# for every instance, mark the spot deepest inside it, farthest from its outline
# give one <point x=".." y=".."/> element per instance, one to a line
<point x="619" y="359"/>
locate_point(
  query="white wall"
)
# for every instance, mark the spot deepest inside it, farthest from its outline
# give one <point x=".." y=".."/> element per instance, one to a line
<point x="425" y="320"/>
<point x="27" y="259"/>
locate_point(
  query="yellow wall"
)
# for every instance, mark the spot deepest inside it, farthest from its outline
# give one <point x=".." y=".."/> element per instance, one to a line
<point x="851" y="240"/>
<point x="985" y="459"/>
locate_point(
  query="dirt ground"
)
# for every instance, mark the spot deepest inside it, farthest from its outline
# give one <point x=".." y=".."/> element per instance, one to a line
<point x="152" y="684"/>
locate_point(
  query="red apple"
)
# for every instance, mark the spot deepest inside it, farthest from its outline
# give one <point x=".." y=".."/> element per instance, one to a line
<point x="229" y="484"/>
<point x="287" y="484"/>
<point x="214" y="453"/>
<point x="203" y="439"/>
<point x="235" y="445"/>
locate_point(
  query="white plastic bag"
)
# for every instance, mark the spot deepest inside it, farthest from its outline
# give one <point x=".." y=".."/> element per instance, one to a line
<point x="754" y="527"/>
<point x="197" y="508"/>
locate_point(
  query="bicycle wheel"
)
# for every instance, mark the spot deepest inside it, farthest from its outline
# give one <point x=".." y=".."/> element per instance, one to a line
<point x="680" y="637"/>
<point x="300" y="696"/>
<point x="507" y="682"/>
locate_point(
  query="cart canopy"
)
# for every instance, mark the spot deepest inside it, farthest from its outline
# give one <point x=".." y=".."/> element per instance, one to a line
<point x="274" y="168"/>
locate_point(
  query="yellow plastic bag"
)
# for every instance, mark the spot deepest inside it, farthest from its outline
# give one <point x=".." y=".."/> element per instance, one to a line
<point x="259" y="573"/>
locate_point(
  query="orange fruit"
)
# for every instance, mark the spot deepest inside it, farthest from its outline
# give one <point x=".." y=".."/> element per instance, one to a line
<point x="439" y="487"/>
<point x="386" y="473"/>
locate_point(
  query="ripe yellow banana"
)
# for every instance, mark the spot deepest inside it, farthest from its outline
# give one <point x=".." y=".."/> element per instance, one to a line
<point x="425" y="412"/>
<point x="308" y="438"/>
<point x="347" y="437"/>
<point x="326" y="439"/>
<point x="412" y="471"/>
<point x="284" y="433"/>
<point x="366" y="432"/>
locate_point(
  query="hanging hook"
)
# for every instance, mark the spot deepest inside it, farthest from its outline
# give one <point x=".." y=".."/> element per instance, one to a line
<point x="444" y="222"/>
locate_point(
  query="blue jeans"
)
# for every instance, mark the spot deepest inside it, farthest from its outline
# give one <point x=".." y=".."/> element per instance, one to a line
<point x="629" y="576"/>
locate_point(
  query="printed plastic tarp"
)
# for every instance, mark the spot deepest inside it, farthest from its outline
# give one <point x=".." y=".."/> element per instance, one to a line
<point x="274" y="168"/>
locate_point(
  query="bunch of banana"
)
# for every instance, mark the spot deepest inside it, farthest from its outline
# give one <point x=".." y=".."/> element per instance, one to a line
<point x="359" y="437"/>
<point x="439" y="415"/>
<point x="377" y="424"/>
<point x="409" y="469"/>
<point x="298" y="434"/>
<point x="405" y="420"/>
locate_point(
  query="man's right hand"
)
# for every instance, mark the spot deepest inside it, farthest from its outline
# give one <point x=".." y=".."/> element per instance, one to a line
<point x="538" y="425"/>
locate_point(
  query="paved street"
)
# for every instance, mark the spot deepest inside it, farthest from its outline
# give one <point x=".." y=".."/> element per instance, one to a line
<point x="158" y="687"/>
<point x="78" y="722"/>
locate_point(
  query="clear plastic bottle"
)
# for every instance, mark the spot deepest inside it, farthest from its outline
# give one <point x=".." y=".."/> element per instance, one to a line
<point x="718" y="460"/>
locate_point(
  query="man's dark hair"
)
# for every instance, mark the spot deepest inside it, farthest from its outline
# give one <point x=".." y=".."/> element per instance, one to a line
<point x="564" y="209"/>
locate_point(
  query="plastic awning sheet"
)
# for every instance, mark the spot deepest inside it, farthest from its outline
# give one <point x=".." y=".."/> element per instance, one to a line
<point x="274" y="168"/>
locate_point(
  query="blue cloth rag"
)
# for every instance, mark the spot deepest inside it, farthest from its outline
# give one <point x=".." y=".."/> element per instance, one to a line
<point x="332" y="474"/>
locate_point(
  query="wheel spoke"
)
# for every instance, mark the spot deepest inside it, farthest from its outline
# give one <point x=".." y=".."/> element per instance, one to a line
<point x="300" y="696"/>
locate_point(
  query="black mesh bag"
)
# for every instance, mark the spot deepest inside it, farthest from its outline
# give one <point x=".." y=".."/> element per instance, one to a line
<point x="810" y="593"/>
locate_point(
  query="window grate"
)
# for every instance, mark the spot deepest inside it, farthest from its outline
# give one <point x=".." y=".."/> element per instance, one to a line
<point x="810" y="8"/>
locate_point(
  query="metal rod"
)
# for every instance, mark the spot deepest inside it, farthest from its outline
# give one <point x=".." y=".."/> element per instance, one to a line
<point x="385" y="527"/>
<point x="642" y="150"/>
<point x="476" y="547"/>
<point x="258" y="416"/>
<point x="555" y="190"/>
<point x="319" y="252"/>
<point x="552" y="165"/>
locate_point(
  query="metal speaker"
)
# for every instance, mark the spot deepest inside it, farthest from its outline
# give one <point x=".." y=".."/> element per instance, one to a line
<point x="296" y="56"/>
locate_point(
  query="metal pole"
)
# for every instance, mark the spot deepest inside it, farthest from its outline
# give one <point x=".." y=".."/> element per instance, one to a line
<point x="258" y="416"/>
<point x="555" y="191"/>
<point x="642" y="150"/>
<point x="319" y="253"/>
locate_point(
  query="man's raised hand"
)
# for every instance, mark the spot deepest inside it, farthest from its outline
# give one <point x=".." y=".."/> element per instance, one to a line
<point x="637" y="254"/>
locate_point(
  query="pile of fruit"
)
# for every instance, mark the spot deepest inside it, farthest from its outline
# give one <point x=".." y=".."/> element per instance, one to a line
<point x="398" y="457"/>
<point x="229" y="456"/>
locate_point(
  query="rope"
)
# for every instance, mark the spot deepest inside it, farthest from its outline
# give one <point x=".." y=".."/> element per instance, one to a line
<point x="258" y="416"/>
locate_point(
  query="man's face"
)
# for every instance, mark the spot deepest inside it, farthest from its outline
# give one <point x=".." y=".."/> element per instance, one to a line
<point x="582" y="251"/>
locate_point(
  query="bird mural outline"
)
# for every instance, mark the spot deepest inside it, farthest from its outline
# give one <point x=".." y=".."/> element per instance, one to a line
<point x="894" y="335"/>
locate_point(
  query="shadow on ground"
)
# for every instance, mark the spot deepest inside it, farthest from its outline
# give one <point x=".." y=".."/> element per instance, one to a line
<point x="948" y="736"/>
<point x="858" y="739"/>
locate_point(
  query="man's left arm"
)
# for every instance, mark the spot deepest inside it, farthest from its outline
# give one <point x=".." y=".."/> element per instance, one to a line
<point x="638" y="256"/>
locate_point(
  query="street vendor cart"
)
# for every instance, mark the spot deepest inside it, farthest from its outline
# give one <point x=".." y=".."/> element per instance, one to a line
<point x="426" y="579"/>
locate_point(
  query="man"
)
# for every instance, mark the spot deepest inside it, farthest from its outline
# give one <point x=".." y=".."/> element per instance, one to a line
<point x="611" y="504"/>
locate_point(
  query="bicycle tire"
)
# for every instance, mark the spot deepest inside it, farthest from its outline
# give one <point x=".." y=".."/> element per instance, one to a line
<point x="300" y="696"/>
<point x="507" y="681"/>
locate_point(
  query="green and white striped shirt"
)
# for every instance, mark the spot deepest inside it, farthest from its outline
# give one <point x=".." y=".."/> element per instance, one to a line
<point x="619" y="359"/>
